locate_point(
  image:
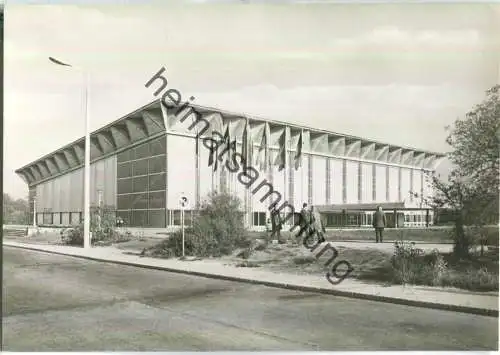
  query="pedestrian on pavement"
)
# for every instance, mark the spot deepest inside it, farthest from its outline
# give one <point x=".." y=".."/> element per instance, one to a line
<point x="276" y="225"/>
<point x="306" y="219"/>
<point x="379" y="223"/>
<point x="318" y="225"/>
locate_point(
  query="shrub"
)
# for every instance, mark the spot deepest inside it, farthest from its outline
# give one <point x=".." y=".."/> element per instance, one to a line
<point x="217" y="229"/>
<point x="103" y="232"/>
<point x="411" y="266"/>
<point x="74" y="236"/>
<point x="473" y="279"/>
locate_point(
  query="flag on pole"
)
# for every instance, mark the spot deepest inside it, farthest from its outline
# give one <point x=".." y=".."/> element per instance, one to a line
<point x="264" y="150"/>
<point x="229" y="147"/>
<point x="244" y="144"/>
<point x="281" y="158"/>
<point x="212" y="158"/>
<point x="298" y="152"/>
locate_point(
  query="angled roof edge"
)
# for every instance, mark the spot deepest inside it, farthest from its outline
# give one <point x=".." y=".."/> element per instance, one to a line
<point x="316" y="130"/>
<point x="156" y="102"/>
<point x="103" y="128"/>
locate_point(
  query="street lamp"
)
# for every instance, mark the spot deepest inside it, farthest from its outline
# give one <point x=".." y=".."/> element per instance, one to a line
<point x="86" y="216"/>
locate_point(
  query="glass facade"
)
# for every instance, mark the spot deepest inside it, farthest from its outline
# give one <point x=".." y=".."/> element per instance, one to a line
<point x="141" y="184"/>
<point x="259" y="218"/>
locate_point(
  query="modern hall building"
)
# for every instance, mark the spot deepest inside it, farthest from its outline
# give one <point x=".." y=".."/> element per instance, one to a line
<point x="144" y="162"/>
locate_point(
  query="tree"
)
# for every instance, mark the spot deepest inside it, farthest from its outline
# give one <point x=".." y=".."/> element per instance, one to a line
<point x="472" y="188"/>
<point x="14" y="211"/>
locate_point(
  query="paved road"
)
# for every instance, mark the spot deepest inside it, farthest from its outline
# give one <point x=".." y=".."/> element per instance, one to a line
<point x="55" y="303"/>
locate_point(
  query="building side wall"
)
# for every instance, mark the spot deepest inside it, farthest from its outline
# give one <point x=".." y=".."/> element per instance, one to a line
<point x="142" y="184"/>
<point x="381" y="183"/>
<point x="393" y="184"/>
<point x="181" y="170"/>
<point x="319" y="180"/>
<point x="336" y="185"/>
<point x="146" y="193"/>
<point x="367" y="182"/>
<point x="65" y="193"/>
<point x="352" y="168"/>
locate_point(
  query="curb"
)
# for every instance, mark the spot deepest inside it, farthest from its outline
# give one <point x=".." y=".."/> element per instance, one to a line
<point x="385" y="299"/>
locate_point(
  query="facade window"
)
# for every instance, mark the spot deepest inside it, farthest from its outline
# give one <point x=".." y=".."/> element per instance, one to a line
<point x="124" y="156"/>
<point x="75" y="218"/>
<point x="369" y="218"/>
<point x="157" y="182"/>
<point x="65" y="220"/>
<point x="259" y="218"/>
<point x="188" y="218"/>
<point x="334" y="219"/>
<point x="140" y="167"/>
<point x="141" y="151"/>
<point x="157" y="164"/>
<point x="139" y="201"/>
<point x="47" y="217"/>
<point x="140" y="184"/>
<point x="124" y="186"/>
<point x="138" y="218"/>
<point x="157" y="218"/>
<point x="157" y="199"/>
<point x="176" y="217"/>
<point x="125" y="201"/>
<point x="353" y="219"/>
<point x="56" y="218"/>
<point x="124" y="170"/>
<point x="158" y="146"/>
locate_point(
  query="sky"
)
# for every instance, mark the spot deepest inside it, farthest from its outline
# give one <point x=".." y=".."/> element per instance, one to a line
<point x="395" y="73"/>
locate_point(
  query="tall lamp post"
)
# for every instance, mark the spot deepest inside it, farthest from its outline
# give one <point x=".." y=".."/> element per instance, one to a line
<point x="86" y="203"/>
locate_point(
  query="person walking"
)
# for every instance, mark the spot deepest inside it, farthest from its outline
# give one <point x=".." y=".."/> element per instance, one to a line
<point x="276" y="225"/>
<point x="305" y="221"/>
<point x="318" y="225"/>
<point x="379" y="223"/>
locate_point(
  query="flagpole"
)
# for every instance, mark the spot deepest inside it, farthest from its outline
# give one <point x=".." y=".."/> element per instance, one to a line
<point x="302" y="166"/>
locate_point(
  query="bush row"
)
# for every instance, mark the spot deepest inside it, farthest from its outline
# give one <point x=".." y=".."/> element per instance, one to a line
<point x="412" y="266"/>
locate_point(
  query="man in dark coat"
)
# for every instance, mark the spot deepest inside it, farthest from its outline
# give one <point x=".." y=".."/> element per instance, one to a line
<point x="306" y="220"/>
<point x="276" y="225"/>
<point x="379" y="223"/>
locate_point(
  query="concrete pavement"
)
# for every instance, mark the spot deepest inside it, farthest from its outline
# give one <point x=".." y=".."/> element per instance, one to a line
<point x="485" y="303"/>
<point x="60" y="303"/>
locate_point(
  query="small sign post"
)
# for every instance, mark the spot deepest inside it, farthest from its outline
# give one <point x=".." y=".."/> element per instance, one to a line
<point x="184" y="203"/>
